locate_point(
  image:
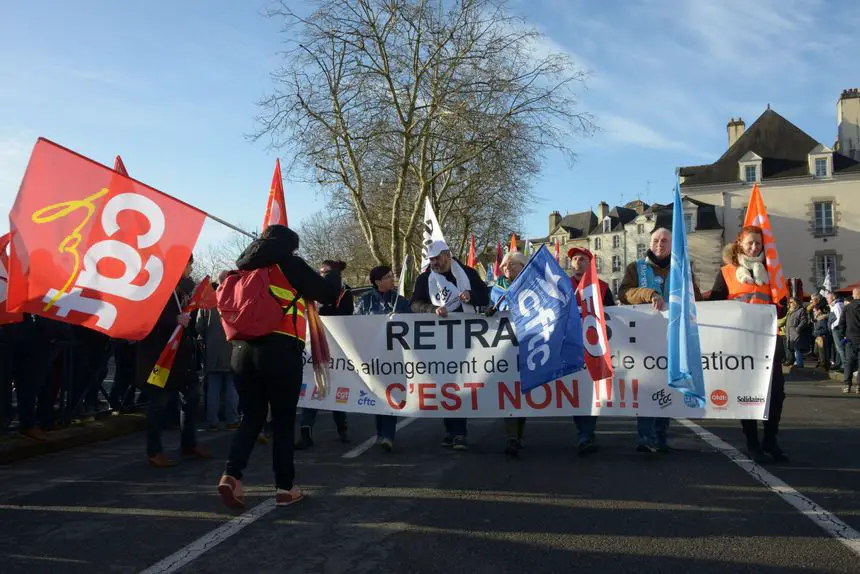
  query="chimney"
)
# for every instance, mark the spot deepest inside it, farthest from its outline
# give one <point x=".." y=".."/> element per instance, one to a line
<point x="848" y="123"/>
<point x="602" y="210"/>
<point x="554" y="220"/>
<point x="735" y="129"/>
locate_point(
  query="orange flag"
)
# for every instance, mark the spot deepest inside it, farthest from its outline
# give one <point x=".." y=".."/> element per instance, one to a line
<point x="276" y="208"/>
<point x="513" y="242"/>
<point x="757" y="216"/>
<point x="202" y="295"/>
<point x="93" y="247"/>
<point x="473" y="260"/>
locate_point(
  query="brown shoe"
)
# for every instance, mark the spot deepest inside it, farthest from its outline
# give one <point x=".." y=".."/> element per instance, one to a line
<point x="196" y="453"/>
<point x="231" y="493"/>
<point x="287" y="497"/>
<point x="36" y="433"/>
<point x="161" y="460"/>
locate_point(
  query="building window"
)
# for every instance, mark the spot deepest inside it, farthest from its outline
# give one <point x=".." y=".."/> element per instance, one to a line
<point x="616" y="241"/>
<point x="825" y="265"/>
<point x="640" y="228"/>
<point x="749" y="174"/>
<point x="641" y="250"/>
<point x="607" y="224"/>
<point x="821" y="167"/>
<point x="616" y="263"/>
<point x="823" y="217"/>
<point x="596" y="243"/>
<point x="688" y="222"/>
<point x="598" y="264"/>
<point x="615" y="284"/>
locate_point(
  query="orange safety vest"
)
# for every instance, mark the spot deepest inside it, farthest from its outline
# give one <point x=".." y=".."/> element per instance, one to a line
<point x="294" y="323"/>
<point x="755" y="294"/>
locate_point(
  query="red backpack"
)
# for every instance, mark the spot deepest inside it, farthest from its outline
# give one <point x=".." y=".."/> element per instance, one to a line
<point x="247" y="307"/>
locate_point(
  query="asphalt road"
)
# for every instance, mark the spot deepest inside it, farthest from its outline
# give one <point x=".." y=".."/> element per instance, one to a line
<point x="426" y="509"/>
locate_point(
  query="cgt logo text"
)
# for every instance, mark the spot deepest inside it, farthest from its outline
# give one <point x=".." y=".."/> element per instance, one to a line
<point x="341" y="397"/>
<point x="750" y="400"/>
<point x="662" y="398"/>
<point x="365" y="399"/>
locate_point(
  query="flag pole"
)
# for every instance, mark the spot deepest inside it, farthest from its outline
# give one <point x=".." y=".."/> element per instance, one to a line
<point x="230" y="225"/>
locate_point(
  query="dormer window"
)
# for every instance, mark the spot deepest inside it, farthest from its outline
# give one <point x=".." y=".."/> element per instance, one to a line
<point x="821" y="161"/>
<point x="750" y="168"/>
<point x="607" y="225"/>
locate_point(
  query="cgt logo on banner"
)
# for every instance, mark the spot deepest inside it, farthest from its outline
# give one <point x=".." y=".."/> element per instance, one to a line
<point x="93" y="247"/>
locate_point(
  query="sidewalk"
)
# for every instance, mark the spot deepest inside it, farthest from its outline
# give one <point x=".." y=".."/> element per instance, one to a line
<point x="14" y="447"/>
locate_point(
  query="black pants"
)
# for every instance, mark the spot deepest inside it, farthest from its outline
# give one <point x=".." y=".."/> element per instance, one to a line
<point x="851" y="352"/>
<point x="267" y="371"/>
<point x="774" y="414"/>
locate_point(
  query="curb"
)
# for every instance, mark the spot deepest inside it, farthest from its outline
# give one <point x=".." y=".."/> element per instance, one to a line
<point x="14" y="448"/>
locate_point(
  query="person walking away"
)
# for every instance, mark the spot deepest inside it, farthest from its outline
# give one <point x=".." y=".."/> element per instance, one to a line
<point x="744" y="277"/>
<point x="216" y="365"/>
<point x="849" y="323"/>
<point x="580" y="259"/>
<point x="799" y="332"/>
<point x="382" y="299"/>
<point x="268" y="370"/>
<point x="821" y="333"/>
<point x="512" y="264"/>
<point x="448" y="286"/>
<point x="646" y="282"/>
<point x="183" y="381"/>
<point x="309" y="416"/>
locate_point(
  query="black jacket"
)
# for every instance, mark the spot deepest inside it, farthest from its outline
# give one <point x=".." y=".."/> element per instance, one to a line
<point x="480" y="294"/>
<point x="277" y="249"/>
<point x="346" y="306"/>
<point x="849" y="323"/>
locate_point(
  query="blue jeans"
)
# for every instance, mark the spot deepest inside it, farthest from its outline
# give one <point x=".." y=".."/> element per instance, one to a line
<point x="156" y="416"/>
<point x="652" y="430"/>
<point x="309" y="417"/>
<point x="386" y="426"/>
<point x="837" y="344"/>
<point x="455" y="427"/>
<point x="798" y="357"/>
<point x="216" y="382"/>
<point x="586" y="426"/>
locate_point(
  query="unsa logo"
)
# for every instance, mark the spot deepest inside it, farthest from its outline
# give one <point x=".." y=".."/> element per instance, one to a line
<point x="719" y="398"/>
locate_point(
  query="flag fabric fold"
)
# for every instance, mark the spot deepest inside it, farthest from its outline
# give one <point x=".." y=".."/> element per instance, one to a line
<point x="546" y="320"/>
<point x="598" y="357"/>
<point x="6" y="317"/>
<point x="497" y="265"/>
<point x="684" y="349"/>
<point x="432" y="232"/>
<point x="473" y="259"/>
<point x="276" y="206"/>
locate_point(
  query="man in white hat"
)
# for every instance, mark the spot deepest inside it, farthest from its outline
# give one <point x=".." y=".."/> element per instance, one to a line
<point x="448" y="286"/>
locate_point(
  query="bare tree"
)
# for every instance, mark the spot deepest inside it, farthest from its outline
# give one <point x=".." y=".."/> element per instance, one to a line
<point x="389" y="102"/>
<point x="328" y="234"/>
<point x="221" y="256"/>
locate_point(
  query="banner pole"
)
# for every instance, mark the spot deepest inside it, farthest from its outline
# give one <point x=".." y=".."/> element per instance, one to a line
<point x="230" y="225"/>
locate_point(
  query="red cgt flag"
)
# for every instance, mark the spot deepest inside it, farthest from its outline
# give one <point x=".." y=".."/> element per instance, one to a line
<point x="201" y="297"/>
<point x="473" y="259"/>
<point x="276" y="208"/>
<point x="598" y="358"/>
<point x="5" y="316"/>
<point x="93" y="247"/>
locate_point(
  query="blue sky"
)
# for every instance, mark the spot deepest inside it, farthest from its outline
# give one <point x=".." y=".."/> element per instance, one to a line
<point x="171" y="86"/>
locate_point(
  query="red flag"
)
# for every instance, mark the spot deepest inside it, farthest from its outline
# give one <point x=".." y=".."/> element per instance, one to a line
<point x="589" y="294"/>
<point x="513" y="242"/>
<point x="276" y="208"/>
<point x="497" y="266"/>
<point x="757" y="215"/>
<point x="5" y="316"/>
<point x="93" y="247"/>
<point x="119" y="167"/>
<point x="161" y="371"/>
<point x="473" y="260"/>
<point x="557" y="251"/>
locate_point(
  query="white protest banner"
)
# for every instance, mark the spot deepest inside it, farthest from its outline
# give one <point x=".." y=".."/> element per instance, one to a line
<point x="466" y="366"/>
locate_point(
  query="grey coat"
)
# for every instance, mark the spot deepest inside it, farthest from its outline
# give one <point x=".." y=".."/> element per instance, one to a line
<point x="798" y="329"/>
<point x="218" y="349"/>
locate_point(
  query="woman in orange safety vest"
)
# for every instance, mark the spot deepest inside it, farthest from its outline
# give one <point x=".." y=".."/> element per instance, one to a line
<point x="744" y="277"/>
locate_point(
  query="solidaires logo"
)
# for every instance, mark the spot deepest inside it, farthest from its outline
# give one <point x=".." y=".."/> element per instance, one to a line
<point x="751" y="400"/>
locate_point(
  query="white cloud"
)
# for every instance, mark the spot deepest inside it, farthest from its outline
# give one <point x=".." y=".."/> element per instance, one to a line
<point x="632" y="132"/>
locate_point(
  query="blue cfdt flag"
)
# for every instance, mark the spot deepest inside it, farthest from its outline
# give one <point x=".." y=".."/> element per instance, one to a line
<point x="546" y="320"/>
<point x="685" y="355"/>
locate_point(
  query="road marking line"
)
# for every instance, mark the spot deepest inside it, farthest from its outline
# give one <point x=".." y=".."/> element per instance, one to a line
<point x="827" y="521"/>
<point x="210" y="540"/>
<point x="366" y="445"/>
